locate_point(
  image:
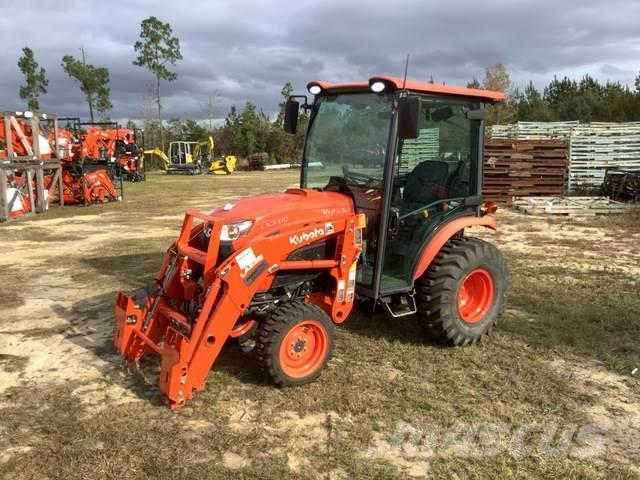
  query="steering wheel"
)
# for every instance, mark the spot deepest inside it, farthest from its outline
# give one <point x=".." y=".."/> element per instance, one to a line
<point x="357" y="178"/>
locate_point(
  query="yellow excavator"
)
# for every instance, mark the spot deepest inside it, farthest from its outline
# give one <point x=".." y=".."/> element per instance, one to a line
<point x="203" y="152"/>
<point x="194" y="158"/>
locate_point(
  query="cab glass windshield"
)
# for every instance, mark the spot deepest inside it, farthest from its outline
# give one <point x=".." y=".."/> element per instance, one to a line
<point x="348" y="139"/>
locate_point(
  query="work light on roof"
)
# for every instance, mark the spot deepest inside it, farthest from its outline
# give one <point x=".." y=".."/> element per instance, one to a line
<point x="378" y="87"/>
<point x="315" y="89"/>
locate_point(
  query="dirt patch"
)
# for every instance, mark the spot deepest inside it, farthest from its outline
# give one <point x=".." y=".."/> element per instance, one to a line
<point x="577" y="245"/>
<point x="12" y="363"/>
<point x="615" y="407"/>
<point x="10" y="452"/>
<point x="382" y="450"/>
<point x="234" y="461"/>
<point x="295" y="437"/>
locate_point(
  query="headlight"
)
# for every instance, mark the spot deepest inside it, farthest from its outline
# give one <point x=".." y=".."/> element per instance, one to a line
<point x="378" y="87"/>
<point x="235" y="230"/>
<point x="314" y="89"/>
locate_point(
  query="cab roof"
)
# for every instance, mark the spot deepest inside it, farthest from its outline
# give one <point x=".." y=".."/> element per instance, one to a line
<point x="395" y="83"/>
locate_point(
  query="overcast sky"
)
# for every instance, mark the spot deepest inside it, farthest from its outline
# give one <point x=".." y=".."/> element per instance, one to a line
<point x="247" y="49"/>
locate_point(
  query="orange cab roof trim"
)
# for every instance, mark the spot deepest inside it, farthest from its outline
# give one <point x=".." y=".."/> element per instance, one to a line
<point x="415" y="86"/>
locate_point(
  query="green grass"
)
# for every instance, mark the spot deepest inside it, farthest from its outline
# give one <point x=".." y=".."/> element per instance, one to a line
<point x="382" y="373"/>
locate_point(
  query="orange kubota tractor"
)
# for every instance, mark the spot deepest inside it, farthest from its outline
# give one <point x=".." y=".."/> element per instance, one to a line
<point x="85" y="181"/>
<point x="276" y="272"/>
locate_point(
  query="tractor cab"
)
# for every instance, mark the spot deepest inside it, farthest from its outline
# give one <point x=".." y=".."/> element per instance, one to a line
<point x="181" y="157"/>
<point x="408" y="155"/>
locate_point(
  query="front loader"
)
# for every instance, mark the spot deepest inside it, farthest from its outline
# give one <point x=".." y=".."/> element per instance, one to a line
<point x="390" y="182"/>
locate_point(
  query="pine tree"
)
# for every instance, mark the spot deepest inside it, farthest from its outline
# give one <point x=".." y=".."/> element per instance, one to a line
<point x="35" y="80"/>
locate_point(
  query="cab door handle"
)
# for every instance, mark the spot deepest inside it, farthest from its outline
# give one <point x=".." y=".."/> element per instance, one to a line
<point x="394" y="222"/>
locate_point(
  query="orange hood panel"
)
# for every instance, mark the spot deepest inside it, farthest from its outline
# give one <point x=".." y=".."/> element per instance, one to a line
<point x="275" y="209"/>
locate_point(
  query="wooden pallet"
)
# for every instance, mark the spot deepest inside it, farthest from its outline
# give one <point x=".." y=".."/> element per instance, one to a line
<point x="532" y="130"/>
<point x="415" y="151"/>
<point x="30" y="187"/>
<point x="592" y="153"/>
<point x="516" y="168"/>
<point x="594" y="147"/>
<point x="571" y="206"/>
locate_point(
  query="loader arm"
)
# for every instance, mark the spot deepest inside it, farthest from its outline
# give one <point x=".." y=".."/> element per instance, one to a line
<point x="205" y="147"/>
<point x="159" y="153"/>
<point x="189" y="340"/>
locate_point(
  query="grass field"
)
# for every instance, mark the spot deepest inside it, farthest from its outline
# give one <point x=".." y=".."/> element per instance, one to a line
<point x="562" y="356"/>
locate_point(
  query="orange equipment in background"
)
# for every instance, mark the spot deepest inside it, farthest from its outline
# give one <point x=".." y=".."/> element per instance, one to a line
<point x="26" y="158"/>
<point x="115" y="145"/>
<point x="20" y="204"/>
<point x="107" y="144"/>
<point x="20" y="139"/>
<point x="84" y="187"/>
<point x="27" y="142"/>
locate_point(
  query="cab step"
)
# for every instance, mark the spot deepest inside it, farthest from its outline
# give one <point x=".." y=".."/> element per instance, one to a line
<point x="400" y="305"/>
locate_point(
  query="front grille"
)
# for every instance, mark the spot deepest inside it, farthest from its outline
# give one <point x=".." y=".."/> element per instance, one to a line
<point x="224" y="251"/>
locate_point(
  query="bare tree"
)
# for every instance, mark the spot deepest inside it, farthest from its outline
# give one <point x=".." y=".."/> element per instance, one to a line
<point x="209" y="108"/>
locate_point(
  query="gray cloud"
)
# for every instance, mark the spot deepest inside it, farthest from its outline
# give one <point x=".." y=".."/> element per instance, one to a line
<point x="246" y="50"/>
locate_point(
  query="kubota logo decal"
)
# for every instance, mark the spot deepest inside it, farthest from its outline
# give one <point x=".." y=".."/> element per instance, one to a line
<point x="299" y="238"/>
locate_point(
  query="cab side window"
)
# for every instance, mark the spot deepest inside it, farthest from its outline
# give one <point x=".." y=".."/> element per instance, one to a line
<point x="437" y="165"/>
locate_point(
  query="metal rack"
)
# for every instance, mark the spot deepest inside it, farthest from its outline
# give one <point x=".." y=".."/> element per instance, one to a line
<point x="23" y="166"/>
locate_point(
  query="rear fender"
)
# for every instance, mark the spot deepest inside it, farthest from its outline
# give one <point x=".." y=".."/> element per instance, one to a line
<point x="442" y="236"/>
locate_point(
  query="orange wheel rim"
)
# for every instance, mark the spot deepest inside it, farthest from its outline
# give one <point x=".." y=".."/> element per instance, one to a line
<point x="303" y="349"/>
<point x="475" y="296"/>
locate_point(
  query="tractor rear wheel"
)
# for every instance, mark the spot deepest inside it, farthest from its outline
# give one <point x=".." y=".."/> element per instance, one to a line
<point x="463" y="292"/>
<point x="295" y="343"/>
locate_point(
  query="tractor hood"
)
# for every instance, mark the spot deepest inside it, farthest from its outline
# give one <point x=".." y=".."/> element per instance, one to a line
<point x="271" y="210"/>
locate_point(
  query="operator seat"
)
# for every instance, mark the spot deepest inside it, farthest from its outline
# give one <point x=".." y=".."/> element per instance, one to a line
<point x="425" y="184"/>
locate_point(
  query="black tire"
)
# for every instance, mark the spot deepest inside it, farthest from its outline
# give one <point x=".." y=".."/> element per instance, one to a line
<point x="437" y="291"/>
<point x="275" y="329"/>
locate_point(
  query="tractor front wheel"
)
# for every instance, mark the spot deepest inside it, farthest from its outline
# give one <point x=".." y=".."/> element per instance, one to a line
<point x="463" y="292"/>
<point x="295" y="343"/>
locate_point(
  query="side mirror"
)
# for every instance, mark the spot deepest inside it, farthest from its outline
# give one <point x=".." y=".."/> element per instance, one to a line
<point x="291" y="110"/>
<point x="409" y="117"/>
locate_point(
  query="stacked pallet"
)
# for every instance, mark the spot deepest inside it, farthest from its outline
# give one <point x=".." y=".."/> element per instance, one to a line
<point x="571" y="206"/>
<point x="598" y="147"/>
<point x="518" y="168"/>
<point x="415" y="151"/>
<point x="594" y="147"/>
<point x="533" y="130"/>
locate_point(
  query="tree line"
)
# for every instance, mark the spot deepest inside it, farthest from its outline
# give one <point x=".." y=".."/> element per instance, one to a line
<point x="562" y="99"/>
<point x="250" y="131"/>
<point x="156" y="50"/>
<point x="243" y="133"/>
